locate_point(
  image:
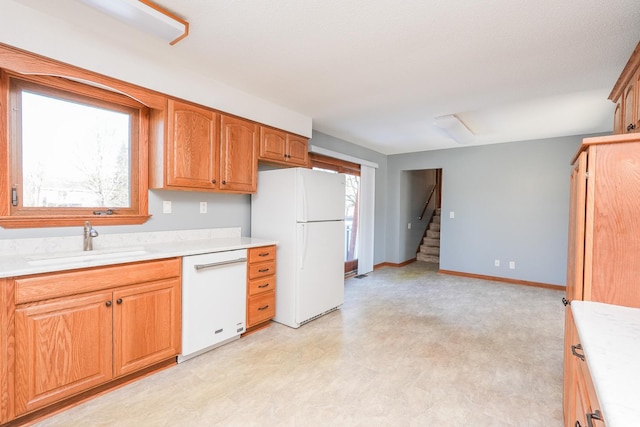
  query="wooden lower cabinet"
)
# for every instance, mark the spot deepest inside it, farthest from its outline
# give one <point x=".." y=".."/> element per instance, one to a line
<point x="261" y="286"/>
<point x="146" y="325"/>
<point x="581" y="402"/>
<point x="63" y="347"/>
<point x="70" y="344"/>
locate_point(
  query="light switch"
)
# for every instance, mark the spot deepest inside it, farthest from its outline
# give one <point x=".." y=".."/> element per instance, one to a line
<point x="203" y="207"/>
<point x="512" y="265"/>
<point x="452" y="214"/>
<point x="166" y="206"/>
<point x="409" y="226"/>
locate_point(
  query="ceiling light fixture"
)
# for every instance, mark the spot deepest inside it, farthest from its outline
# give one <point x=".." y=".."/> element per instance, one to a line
<point x="147" y="16"/>
<point x="455" y="128"/>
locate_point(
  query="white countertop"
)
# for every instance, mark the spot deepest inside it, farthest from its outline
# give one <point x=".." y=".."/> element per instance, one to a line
<point x="610" y="338"/>
<point x="23" y="264"/>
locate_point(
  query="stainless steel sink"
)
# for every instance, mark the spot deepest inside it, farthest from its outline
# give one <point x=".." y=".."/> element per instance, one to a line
<point x="83" y="256"/>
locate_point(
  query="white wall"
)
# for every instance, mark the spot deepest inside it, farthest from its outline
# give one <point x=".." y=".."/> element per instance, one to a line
<point x="137" y="59"/>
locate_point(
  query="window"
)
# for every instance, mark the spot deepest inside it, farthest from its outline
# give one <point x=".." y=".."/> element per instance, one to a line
<point x="75" y="154"/>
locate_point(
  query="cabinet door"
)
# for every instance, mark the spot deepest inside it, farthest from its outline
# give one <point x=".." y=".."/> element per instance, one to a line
<point x="146" y="325"/>
<point x="297" y="150"/>
<point x="272" y="144"/>
<point x="618" y="119"/>
<point x="191" y="155"/>
<point x="629" y="111"/>
<point x="238" y="155"/>
<point x="577" y="203"/>
<point x="63" y="347"/>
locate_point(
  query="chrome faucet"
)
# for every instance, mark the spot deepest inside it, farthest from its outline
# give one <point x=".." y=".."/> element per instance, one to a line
<point x="89" y="234"/>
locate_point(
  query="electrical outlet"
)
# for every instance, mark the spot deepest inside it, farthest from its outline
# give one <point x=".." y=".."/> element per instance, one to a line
<point x="409" y="226"/>
<point x="203" y="207"/>
<point x="512" y="265"/>
<point x="166" y="206"/>
<point x="496" y="263"/>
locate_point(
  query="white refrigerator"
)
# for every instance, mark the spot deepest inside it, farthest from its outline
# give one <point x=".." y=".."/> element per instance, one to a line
<point x="303" y="210"/>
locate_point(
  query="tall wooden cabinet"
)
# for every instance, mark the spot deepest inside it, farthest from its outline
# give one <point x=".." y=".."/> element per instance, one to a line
<point x="604" y="239"/>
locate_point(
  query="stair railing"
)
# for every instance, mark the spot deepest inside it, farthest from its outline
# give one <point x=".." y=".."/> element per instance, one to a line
<point x="433" y="190"/>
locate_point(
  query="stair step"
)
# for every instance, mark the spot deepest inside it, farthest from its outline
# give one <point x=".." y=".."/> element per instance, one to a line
<point x="434" y="227"/>
<point x="436" y="219"/>
<point x="430" y="241"/>
<point x="433" y="234"/>
<point x="430" y="250"/>
<point x="438" y="211"/>
<point x="428" y="258"/>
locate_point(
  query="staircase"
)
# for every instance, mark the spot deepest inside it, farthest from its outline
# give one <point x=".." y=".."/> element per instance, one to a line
<point x="430" y="247"/>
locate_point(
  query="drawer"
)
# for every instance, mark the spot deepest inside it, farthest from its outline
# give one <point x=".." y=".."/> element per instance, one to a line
<point x="52" y="285"/>
<point x="265" y="284"/>
<point x="260" y="308"/>
<point x="266" y="253"/>
<point x="262" y="269"/>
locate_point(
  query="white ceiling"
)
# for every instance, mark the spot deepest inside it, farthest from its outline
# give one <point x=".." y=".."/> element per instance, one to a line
<point x="377" y="72"/>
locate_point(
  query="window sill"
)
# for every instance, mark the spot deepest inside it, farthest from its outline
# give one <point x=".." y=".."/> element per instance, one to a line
<point x="70" y="220"/>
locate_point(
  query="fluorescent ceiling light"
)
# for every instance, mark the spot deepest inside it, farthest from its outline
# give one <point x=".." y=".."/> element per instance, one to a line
<point x="455" y="128"/>
<point x="146" y="16"/>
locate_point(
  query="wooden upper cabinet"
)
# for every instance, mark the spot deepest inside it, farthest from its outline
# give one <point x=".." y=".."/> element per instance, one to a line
<point x="238" y="155"/>
<point x="298" y="150"/>
<point x="277" y="146"/>
<point x="192" y="146"/>
<point x="198" y="149"/>
<point x="626" y="95"/>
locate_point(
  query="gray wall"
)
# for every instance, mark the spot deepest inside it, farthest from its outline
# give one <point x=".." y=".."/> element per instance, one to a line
<point x="325" y="141"/>
<point x="511" y="202"/>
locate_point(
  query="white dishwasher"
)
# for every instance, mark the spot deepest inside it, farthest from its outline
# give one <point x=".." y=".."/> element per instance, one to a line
<point x="214" y="300"/>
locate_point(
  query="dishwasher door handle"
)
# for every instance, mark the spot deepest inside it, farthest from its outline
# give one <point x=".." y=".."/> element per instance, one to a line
<point x="218" y="264"/>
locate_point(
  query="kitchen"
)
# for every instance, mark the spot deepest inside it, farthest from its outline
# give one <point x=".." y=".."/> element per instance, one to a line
<point x="233" y="210"/>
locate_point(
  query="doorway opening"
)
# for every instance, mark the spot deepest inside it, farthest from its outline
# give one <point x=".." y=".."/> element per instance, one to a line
<point x="352" y="204"/>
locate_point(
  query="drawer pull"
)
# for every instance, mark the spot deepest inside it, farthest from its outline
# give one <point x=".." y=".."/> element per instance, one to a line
<point x="593" y="416"/>
<point x="263" y="254"/>
<point x="264" y="270"/>
<point x="575" y="353"/>
<point x="108" y="303"/>
<point x="263" y="286"/>
<point x="263" y="308"/>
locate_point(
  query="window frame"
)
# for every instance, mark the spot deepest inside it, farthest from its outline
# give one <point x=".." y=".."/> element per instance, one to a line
<point x="98" y="95"/>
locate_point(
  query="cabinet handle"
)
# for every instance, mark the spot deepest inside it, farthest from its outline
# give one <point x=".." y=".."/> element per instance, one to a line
<point x="631" y="127"/>
<point x="263" y="308"/>
<point x="593" y="416"/>
<point x="108" y="303"/>
<point x="224" y="182"/>
<point x="263" y="254"/>
<point x="119" y="301"/>
<point x="566" y="302"/>
<point x="264" y="270"/>
<point x="263" y="286"/>
<point x="575" y="353"/>
<point x="213" y="181"/>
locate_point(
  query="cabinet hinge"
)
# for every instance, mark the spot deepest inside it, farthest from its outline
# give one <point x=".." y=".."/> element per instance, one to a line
<point x="586" y="175"/>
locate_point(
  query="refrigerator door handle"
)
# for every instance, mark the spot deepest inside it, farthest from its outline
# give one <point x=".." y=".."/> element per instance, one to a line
<point x="303" y="248"/>
<point x="303" y="200"/>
